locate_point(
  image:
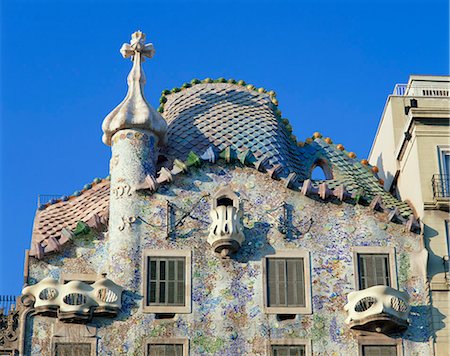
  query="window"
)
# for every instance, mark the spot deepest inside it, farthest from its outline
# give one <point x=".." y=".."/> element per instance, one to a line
<point x="286" y="285"/>
<point x="379" y="350"/>
<point x="374" y="265"/>
<point x="72" y="349"/>
<point x="167" y="347"/>
<point x="289" y="347"/>
<point x="287" y="280"/>
<point x="167" y="281"/>
<point x="283" y="350"/>
<point x="165" y="350"/>
<point x="373" y="270"/>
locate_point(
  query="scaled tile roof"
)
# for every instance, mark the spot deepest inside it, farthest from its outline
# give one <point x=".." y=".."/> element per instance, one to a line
<point x="53" y="225"/>
<point x="222" y="115"/>
<point x="237" y="121"/>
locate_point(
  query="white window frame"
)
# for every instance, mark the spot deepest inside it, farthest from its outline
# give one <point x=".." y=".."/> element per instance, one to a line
<point x="175" y="309"/>
<point x="165" y="341"/>
<point x="443" y="150"/>
<point x="307" y="309"/>
<point x="290" y="342"/>
<point x="70" y="340"/>
<point x="357" y="250"/>
<point x="379" y="340"/>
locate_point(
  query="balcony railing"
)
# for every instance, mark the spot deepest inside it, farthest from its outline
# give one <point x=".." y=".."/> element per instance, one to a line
<point x="75" y="301"/>
<point x="7" y="302"/>
<point x="378" y="308"/>
<point x="414" y="90"/>
<point x="441" y="185"/>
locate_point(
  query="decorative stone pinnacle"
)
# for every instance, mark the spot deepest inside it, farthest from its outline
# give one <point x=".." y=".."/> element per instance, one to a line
<point x="134" y="112"/>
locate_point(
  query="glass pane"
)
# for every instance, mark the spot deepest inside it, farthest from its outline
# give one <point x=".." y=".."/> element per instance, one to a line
<point x="281" y="275"/>
<point x="162" y="270"/>
<point x="162" y="292"/>
<point x="180" y="296"/>
<point x="171" y="296"/>
<point x="180" y="274"/>
<point x="172" y="270"/>
<point x="152" y="293"/>
<point x="152" y="270"/>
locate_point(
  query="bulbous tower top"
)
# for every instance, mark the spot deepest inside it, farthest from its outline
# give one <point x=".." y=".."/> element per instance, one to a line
<point x="134" y="112"/>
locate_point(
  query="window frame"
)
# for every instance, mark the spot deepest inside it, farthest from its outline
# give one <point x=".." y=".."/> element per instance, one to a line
<point x="307" y="309"/>
<point x="375" y="250"/>
<point x="89" y="278"/>
<point x="289" y="342"/>
<point x="174" y="309"/>
<point x="379" y="340"/>
<point x="71" y="340"/>
<point x="166" y="341"/>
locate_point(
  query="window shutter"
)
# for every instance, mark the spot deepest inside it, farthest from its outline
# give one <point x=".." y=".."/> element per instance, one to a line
<point x="381" y="350"/>
<point x="165" y="350"/>
<point x="282" y="350"/>
<point x="286" y="282"/>
<point x="165" y="281"/>
<point x="373" y="270"/>
<point x="72" y="349"/>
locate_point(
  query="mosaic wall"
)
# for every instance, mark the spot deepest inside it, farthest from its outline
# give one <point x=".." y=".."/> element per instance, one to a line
<point x="227" y="304"/>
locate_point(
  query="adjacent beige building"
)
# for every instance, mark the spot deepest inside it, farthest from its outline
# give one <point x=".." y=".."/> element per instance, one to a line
<point x="412" y="150"/>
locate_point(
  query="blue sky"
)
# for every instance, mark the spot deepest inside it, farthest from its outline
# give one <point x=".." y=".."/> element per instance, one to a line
<point x="332" y="64"/>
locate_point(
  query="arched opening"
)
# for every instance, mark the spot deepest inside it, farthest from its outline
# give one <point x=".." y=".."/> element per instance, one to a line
<point x="224" y="201"/>
<point x="320" y="170"/>
<point x="318" y="174"/>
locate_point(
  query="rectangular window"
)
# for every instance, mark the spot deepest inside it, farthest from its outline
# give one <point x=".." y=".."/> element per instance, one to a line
<point x="165" y="349"/>
<point x="287" y="285"/>
<point x="286" y="282"/>
<point x="288" y="350"/>
<point x="166" y="280"/>
<point x="72" y="349"/>
<point x="379" y="350"/>
<point x="373" y="270"/>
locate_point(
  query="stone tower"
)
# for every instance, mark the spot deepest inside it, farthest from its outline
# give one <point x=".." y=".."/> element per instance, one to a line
<point x="134" y="130"/>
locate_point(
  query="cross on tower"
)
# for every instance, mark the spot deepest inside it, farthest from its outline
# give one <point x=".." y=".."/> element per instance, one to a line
<point x="137" y="47"/>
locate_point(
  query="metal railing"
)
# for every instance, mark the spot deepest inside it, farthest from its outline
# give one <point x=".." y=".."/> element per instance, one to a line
<point x="400" y="89"/>
<point x="441" y="185"/>
<point x="414" y="90"/>
<point x="6" y="303"/>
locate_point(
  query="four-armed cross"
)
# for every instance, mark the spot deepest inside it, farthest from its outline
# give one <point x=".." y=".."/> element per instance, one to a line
<point x="137" y="47"/>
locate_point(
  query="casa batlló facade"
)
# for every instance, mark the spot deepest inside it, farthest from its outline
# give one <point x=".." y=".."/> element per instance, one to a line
<point x="209" y="237"/>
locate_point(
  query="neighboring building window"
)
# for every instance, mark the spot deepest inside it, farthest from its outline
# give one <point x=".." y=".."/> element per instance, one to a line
<point x="165" y="350"/>
<point x="73" y="349"/>
<point x="167" y="281"/>
<point x="379" y="350"/>
<point x="287" y="283"/>
<point x="288" y="350"/>
<point x="373" y="270"/>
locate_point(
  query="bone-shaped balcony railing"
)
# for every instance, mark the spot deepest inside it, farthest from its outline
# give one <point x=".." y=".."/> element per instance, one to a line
<point x="75" y="300"/>
<point x="378" y="308"/>
<point x="226" y="232"/>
